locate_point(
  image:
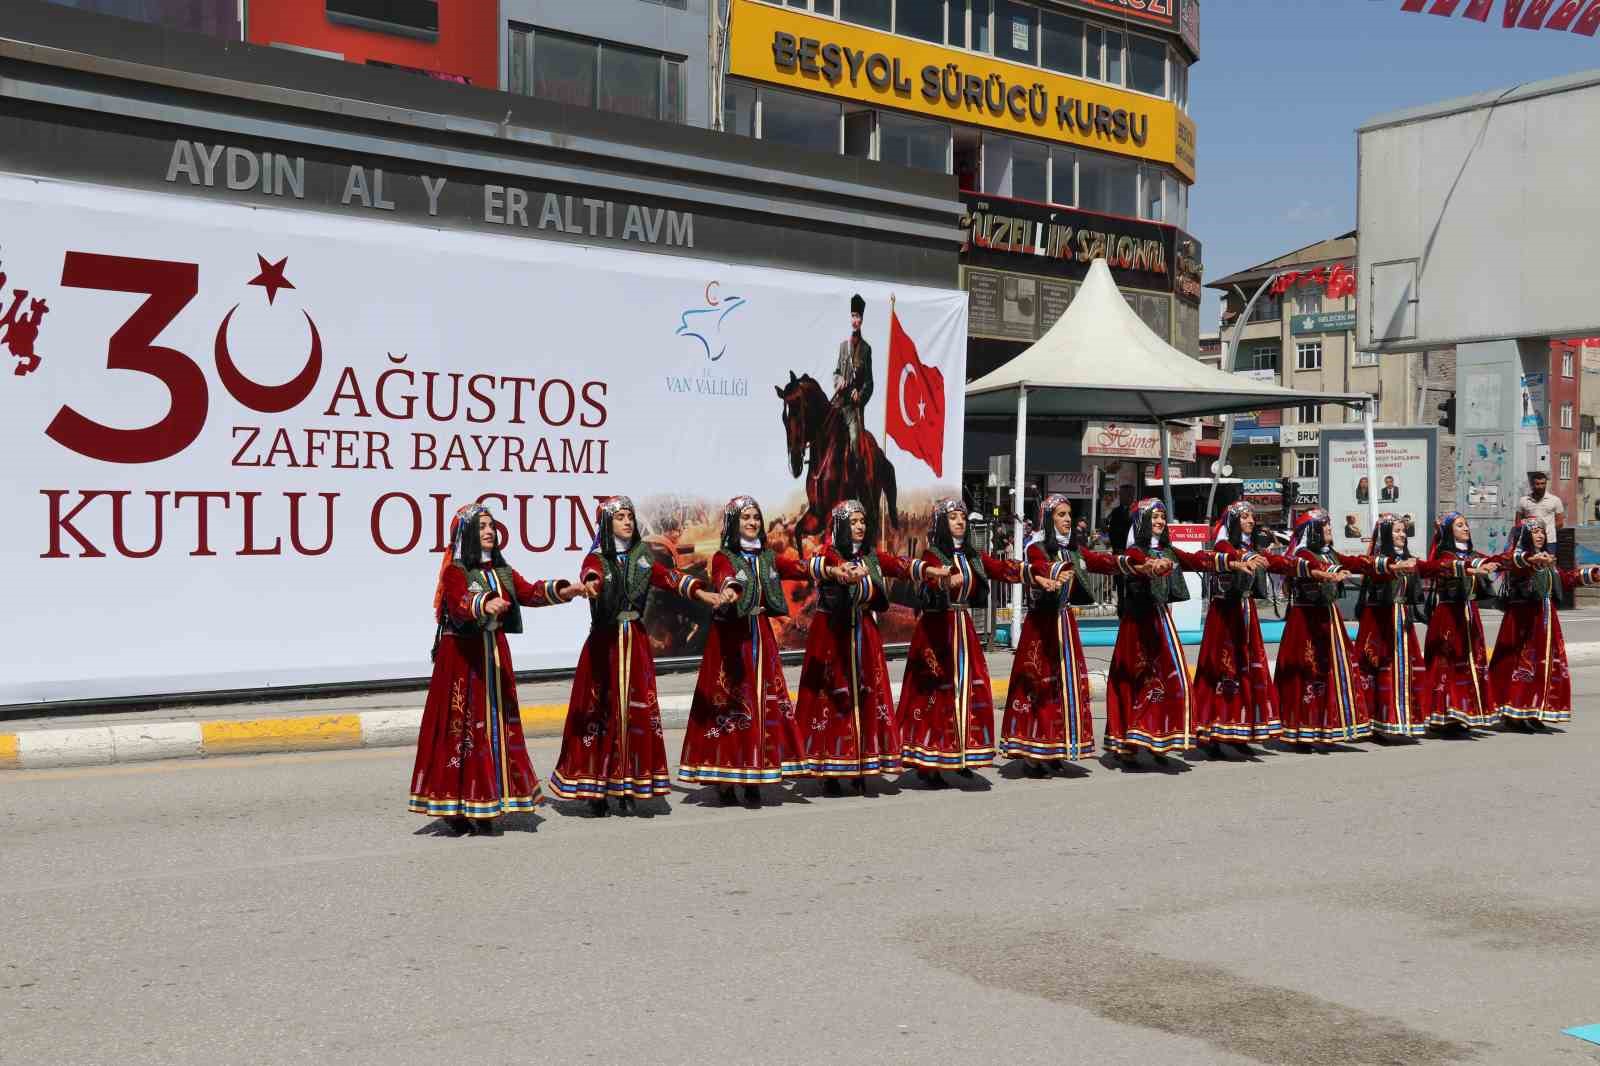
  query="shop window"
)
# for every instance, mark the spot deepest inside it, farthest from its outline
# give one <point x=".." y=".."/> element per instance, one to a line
<point x="1147" y="65"/>
<point x="1308" y="355"/>
<point x="1307" y="464"/>
<point x="922" y="19"/>
<point x="875" y="13"/>
<point x="800" y="121"/>
<point x="1150" y="194"/>
<point x="1063" y="177"/>
<point x="1107" y="185"/>
<point x="1062" y="43"/>
<point x="913" y="142"/>
<point x="858" y="133"/>
<point x="1016" y="31"/>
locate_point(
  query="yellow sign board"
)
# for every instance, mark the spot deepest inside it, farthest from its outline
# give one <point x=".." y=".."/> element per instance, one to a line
<point x="819" y="55"/>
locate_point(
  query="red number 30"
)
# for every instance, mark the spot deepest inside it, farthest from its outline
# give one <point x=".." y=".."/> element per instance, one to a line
<point x="170" y="287"/>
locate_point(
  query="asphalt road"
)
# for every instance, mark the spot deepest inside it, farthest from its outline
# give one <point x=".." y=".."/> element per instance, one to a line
<point x="1422" y="905"/>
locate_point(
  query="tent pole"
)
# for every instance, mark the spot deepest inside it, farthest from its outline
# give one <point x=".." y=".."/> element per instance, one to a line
<point x="1017" y="504"/>
<point x="1166" y="468"/>
<point x="1372" y="466"/>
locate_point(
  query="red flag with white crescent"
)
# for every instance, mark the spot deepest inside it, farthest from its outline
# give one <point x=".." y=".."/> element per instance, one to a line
<point x="1444" y="7"/>
<point x="1479" y="9"/>
<point x="1413" y="5"/>
<point x="1589" y="21"/>
<point x="1564" y="15"/>
<point x="1533" y="18"/>
<point x="1513" y="9"/>
<point x="914" y="415"/>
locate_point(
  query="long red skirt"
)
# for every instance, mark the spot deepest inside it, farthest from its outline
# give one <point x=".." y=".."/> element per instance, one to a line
<point x="742" y="728"/>
<point x="1456" y="687"/>
<point x="1529" y="670"/>
<point x="946" y="712"/>
<point x="1147" y="690"/>
<point x="845" y="706"/>
<point x="1234" y="700"/>
<point x="1322" y="698"/>
<point x="1048" y="713"/>
<point x="472" y="760"/>
<point x="1390" y="659"/>
<point x="612" y="745"/>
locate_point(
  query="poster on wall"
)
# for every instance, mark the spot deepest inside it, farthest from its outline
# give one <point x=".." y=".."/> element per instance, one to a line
<point x="238" y="435"/>
<point x="1404" y="484"/>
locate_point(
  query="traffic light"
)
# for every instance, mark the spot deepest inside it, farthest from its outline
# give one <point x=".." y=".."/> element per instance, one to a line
<point x="1447" y="414"/>
<point x="1286" y="487"/>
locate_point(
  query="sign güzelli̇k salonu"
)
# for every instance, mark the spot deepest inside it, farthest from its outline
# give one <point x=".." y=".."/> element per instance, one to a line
<point x="804" y="51"/>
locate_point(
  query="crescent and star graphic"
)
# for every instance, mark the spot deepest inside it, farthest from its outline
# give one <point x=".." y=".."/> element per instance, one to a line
<point x="270" y="399"/>
<point x="722" y="307"/>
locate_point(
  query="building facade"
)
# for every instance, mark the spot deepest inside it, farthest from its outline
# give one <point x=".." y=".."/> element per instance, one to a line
<point x="450" y="42"/>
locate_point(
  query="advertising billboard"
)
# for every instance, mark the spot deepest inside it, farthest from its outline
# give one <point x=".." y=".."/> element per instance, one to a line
<point x="239" y="433"/>
<point x="1406" y="484"/>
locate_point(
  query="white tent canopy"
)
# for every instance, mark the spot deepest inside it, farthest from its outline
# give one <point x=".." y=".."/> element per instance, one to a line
<point x="1101" y="361"/>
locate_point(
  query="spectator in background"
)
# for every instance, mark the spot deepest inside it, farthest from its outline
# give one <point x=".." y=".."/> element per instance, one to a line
<point x="1543" y="505"/>
<point x="1120" y="520"/>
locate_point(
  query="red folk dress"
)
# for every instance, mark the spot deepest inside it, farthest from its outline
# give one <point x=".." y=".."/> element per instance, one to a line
<point x="1048" y="713"/>
<point x="472" y="759"/>
<point x="1322" y="698"/>
<point x="946" y="712"/>
<point x="1387" y="653"/>
<point x="612" y="744"/>
<point x="1456" y="688"/>
<point x="1234" y="699"/>
<point x="1528" y="673"/>
<point x="845" y="705"/>
<point x="1149" y="704"/>
<point x="742" y="728"/>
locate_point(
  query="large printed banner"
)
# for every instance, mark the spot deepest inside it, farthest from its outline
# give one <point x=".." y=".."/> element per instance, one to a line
<point x="235" y="436"/>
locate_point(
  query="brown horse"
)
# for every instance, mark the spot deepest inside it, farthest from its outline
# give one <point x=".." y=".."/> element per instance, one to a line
<point x="819" y="446"/>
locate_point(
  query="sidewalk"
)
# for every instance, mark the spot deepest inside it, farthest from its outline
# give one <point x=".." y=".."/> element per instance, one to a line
<point x="392" y="719"/>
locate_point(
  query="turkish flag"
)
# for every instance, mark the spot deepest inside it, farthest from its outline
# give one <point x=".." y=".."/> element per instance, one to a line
<point x="1479" y="9"/>
<point x="914" y="415"/>
<point x="1564" y="15"/>
<point x="1413" y="5"/>
<point x="1589" y="20"/>
<point x="1533" y="18"/>
<point x="1513" y="9"/>
<point x="1444" y="7"/>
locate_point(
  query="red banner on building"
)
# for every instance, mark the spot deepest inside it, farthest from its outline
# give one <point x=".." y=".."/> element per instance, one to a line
<point x="1578" y="16"/>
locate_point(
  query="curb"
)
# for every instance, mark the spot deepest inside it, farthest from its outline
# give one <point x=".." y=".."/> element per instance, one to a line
<point x="39" y="749"/>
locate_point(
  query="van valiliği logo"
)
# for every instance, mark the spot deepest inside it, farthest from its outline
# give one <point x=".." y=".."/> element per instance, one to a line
<point x="705" y="324"/>
<point x="18" y="332"/>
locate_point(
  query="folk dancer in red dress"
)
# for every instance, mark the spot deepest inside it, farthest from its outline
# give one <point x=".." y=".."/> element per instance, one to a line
<point x="1234" y="701"/>
<point x="1149" y="706"/>
<point x="1528" y="673"/>
<point x="1387" y="652"/>
<point x="845" y="706"/>
<point x="946" y="712"/>
<point x="612" y="746"/>
<point x="1048" y="717"/>
<point x="472" y="760"/>
<point x="1321" y="696"/>
<point x="742" y="728"/>
<point x="1457" y="693"/>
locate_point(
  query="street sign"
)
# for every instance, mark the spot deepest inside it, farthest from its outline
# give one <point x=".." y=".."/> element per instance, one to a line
<point x="1323" y="322"/>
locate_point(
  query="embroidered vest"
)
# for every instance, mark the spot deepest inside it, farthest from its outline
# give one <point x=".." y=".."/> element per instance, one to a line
<point x="1530" y="587"/>
<point x="477" y="582"/>
<point x="1052" y="601"/>
<point x="767" y="594"/>
<point x="833" y="598"/>
<point x="1232" y="585"/>
<point x="626" y="588"/>
<point x="1375" y="593"/>
<point x="1314" y="593"/>
<point x="1143" y="597"/>
<point x="938" y="599"/>
<point x="1453" y="589"/>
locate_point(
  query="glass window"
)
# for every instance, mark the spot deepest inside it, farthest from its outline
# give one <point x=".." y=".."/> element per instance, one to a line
<point x="1063" y="176"/>
<point x="874" y="13"/>
<point x="913" y="142"/>
<point x="565" y="69"/>
<point x="1062" y="39"/>
<point x="672" y="91"/>
<point x="1566" y="468"/>
<point x="1264" y="356"/>
<point x="1150" y="194"/>
<point x="922" y="19"/>
<point x="1308" y="414"/>
<point x="858" y="127"/>
<point x="956" y="23"/>
<point x="1308" y="355"/>
<point x="1365" y="359"/>
<point x="798" y="121"/>
<point x="1180" y="82"/>
<point x="1016" y="31"/>
<point x="1268" y="308"/>
<point x="630" y="82"/>
<point x="739" y="109"/>
<point x="1172" y="201"/>
<point x="1306" y="464"/>
<point x="1566" y="416"/>
<point x="1114" y="57"/>
<point x="825" y="7"/>
<point x="517" y="54"/>
<point x="1015" y="168"/>
<point x="1109" y="186"/>
<point x="1566" y="364"/>
<point x="981" y="38"/>
<point x="1147" y="65"/>
<point x="1308" y="300"/>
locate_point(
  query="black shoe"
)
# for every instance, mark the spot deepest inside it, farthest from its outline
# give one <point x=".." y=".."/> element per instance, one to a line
<point x="1058" y="765"/>
<point x="625" y="804"/>
<point x="459" y="826"/>
<point x="965" y="772"/>
<point x="727" y="796"/>
<point x="599" y="808"/>
<point x="486" y="827"/>
<point x="831" y="786"/>
<point x="1034" y="769"/>
<point x="752" y="794"/>
<point x="861" y="785"/>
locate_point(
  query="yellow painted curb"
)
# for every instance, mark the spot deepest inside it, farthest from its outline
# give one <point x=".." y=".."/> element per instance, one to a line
<point x="544" y="719"/>
<point x="9" y="759"/>
<point x="281" y="734"/>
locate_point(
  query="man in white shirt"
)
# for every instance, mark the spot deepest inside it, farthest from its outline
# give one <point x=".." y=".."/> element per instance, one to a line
<point x="1543" y="505"/>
